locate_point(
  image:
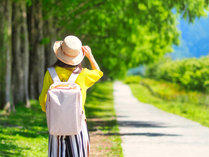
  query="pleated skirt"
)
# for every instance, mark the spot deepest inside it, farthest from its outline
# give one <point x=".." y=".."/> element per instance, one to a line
<point x="70" y="146"/>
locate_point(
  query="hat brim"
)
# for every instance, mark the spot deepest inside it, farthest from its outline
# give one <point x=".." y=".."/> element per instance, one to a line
<point x="64" y="58"/>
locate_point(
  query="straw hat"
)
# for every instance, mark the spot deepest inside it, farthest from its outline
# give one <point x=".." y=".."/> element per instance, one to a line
<point x="69" y="51"/>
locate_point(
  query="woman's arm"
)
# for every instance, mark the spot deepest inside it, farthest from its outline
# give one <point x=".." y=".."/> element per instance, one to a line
<point x="89" y="55"/>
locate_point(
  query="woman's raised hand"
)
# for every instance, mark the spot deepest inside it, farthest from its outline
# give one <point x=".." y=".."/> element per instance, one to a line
<point x="87" y="51"/>
<point x="89" y="55"/>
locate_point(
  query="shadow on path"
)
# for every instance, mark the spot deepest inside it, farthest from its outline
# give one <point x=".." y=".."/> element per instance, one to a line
<point x="142" y="124"/>
<point x="140" y="134"/>
<point x="139" y="124"/>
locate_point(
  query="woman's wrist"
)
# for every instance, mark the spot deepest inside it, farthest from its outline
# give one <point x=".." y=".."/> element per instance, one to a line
<point x="90" y="56"/>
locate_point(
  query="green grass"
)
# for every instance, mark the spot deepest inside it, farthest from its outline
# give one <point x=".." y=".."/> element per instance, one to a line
<point x="193" y="111"/>
<point x="100" y="106"/>
<point x="24" y="133"/>
<point x="170" y="91"/>
<point x="175" y="92"/>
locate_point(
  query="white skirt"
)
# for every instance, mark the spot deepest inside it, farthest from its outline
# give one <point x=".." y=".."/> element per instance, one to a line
<point x="70" y="146"/>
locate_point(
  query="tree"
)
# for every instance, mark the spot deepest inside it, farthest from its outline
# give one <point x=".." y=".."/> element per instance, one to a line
<point x="37" y="55"/>
<point x="20" y="51"/>
<point x="124" y="34"/>
<point x="50" y="31"/>
<point x="6" y="52"/>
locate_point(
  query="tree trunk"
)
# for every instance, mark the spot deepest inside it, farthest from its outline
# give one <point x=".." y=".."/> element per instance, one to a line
<point x="3" y="56"/>
<point x="37" y="57"/>
<point x="6" y="55"/>
<point x="20" y="52"/>
<point x="50" y="34"/>
<point x="17" y="79"/>
<point x="25" y="49"/>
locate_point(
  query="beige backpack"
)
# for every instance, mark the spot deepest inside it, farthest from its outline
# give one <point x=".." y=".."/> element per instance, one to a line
<point x="64" y="106"/>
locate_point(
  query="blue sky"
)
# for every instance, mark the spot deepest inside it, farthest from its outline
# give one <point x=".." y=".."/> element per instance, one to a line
<point x="194" y="39"/>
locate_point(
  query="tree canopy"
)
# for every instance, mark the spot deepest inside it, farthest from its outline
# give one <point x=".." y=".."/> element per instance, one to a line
<point x="127" y="33"/>
<point x="122" y="34"/>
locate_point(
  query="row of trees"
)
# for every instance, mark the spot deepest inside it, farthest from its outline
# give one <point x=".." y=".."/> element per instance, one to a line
<point x="191" y="73"/>
<point x="23" y="32"/>
<point x="122" y="34"/>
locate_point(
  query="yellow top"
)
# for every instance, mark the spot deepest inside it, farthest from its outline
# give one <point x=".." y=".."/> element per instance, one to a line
<point x="85" y="79"/>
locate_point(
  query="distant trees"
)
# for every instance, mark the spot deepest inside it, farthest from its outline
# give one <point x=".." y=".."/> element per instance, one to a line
<point x="122" y="34"/>
<point x="191" y="73"/>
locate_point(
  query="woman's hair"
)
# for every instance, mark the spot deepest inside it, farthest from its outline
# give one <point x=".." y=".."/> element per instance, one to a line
<point x="61" y="64"/>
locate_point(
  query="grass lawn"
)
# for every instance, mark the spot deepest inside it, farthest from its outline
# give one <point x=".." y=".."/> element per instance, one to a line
<point x="102" y="122"/>
<point x="195" y="112"/>
<point x="24" y="133"/>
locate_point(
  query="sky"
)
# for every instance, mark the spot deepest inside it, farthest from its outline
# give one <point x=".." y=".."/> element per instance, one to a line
<point x="194" y="39"/>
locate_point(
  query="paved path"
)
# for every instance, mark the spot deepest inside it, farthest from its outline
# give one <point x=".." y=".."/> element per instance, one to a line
<point x="149" y="132"/>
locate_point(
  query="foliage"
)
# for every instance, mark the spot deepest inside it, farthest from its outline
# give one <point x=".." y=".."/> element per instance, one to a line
<point x="190" y="73"/>
<point x="169" y="91"/>
<point x="127" y="33"/>
<point x="174" y="92"/>
<point x="24" y="133"/>
<point x="132" y="79"/>
<point x="198" y="113"/>
<point x="122" y="35"/>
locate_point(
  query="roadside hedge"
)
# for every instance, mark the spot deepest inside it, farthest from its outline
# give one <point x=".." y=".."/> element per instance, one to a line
<point x="191" y="73"/>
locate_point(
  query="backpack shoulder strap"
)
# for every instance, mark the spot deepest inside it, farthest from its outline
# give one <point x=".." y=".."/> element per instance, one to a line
<point x="73" y="77"/>
<point x="53" y="74"/>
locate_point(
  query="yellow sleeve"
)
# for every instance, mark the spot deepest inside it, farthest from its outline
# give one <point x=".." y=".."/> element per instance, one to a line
<point x="92" y="76"/>
<point x="46" y="84"/>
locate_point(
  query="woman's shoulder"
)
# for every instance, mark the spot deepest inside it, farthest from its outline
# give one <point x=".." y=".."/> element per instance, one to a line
<point x="89" y="77"/>
<point x="91" y="73"/>
<point x="86" y="70"/>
